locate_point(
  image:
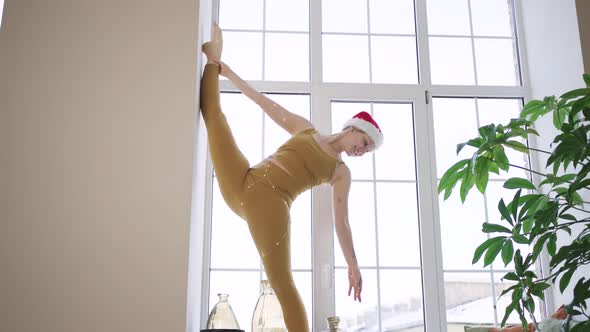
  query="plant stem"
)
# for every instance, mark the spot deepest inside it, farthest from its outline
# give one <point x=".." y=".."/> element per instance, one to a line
<point x="575" y="208"/>
<point x="528" y="170"/>
<point x="529" y="148"/>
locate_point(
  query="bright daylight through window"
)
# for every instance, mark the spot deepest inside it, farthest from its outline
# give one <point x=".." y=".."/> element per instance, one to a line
<point x="416" y="67"/>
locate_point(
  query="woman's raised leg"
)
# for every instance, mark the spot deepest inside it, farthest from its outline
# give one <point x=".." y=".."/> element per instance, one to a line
<point x="230" y="164"/>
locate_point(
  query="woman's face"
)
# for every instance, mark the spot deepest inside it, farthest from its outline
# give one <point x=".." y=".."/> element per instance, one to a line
<point x="358" y="143"/>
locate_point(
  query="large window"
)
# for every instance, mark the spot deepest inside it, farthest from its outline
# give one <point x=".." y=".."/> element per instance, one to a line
<point x="430" y="72"/>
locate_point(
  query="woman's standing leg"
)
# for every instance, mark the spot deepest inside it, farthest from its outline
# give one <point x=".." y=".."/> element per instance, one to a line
<point x="230" y="164"/>
<point x="277" y="265"/>
<point x="268" y="219"/>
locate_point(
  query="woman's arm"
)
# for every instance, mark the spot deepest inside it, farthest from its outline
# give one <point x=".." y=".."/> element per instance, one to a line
<point x="291" y="122"/>
<point x="340" y="190"/>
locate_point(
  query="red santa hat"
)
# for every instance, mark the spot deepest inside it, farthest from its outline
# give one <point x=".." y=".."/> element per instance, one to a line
<point x="365" y="122"/>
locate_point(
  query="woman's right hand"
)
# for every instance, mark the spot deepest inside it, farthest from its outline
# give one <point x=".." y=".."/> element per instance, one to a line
<point x="224" y="70"/>
<point x="355" y="281"/>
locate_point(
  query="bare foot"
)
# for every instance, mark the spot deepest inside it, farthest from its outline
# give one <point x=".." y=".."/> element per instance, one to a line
<point x="213" y="48"/>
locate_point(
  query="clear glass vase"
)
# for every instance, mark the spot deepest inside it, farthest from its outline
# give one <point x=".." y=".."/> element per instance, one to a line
<point x="333" y="324"/>
<point x="268" y="316"/>
<point x="222" y="316"/>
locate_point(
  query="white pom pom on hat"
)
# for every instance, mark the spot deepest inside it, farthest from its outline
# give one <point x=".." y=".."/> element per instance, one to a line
<point x="365" y="122"/>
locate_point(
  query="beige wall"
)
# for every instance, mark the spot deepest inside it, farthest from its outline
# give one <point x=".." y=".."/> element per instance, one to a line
<point x="97" y="122"/>
<point x="583" y="9"/>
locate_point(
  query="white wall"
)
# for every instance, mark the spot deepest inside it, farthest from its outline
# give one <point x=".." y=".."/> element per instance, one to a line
<point x="555" y="65"/>
<point x="97" y="128"/>
<point x="198" y="258"/>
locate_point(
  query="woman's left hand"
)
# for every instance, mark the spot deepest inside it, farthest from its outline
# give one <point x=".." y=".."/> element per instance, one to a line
<point x="355" y="281"/>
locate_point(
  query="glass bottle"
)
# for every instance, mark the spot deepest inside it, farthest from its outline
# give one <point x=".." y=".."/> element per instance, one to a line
<point x="268" y="316"/>
<point x="333" y="324"/>
<point x="222" y="316"/>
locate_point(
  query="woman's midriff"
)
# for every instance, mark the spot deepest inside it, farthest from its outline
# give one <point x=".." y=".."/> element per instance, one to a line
<point x="279" y="164"/>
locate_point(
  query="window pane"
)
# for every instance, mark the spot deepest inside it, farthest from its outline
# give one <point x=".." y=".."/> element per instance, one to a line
<point x="303" y="282"/>
<point x="344" y="16"/>
<point x="355" y="316"/>
<point x="247" y="131"/>
<point x="395" y="159"/>
<point x="243" y="52"/>
<point x="460" y="226"/>
<point x="361" y="212"/>
<point x="469" y="299"/>
<point x="401" y="301"/>
<point x="345" y="59"/>
<point x="286" y="57"/>
<point x="397" y="213"/>
<point x="230" y="249"/>
<point x="448" y="131"/>
<point x="240" y="14"/>
<point x="361" y="168"/>
<point x="498" y="110"/>
<point x="292" y="15"/>
<point x="492" y="18"/>
<point x="448" y="17"/>
<point x="496" y="62"/>
<point x="242" y="295"/>
<point x="394" y="60"/>
<point x="301" y="232"/>
<point x="451" y="61"/>
<point x="395" y="17"/>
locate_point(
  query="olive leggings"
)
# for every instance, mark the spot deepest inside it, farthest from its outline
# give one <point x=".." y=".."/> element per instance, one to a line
<point x="250" y="194"/>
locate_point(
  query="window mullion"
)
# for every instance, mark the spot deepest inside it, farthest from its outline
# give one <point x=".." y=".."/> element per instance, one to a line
<point x="322" y="232"/>
<point x="430" y="237"/>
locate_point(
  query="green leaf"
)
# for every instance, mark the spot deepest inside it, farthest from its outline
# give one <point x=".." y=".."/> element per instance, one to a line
<point x="488" y="132"/>
<point x="492" y="228"/>
<point x="509" y="310"/>
<point x="444" y="181"/>
<point x="452" y="181"/>
<point x="492" y="252"/>
<point x="552" y="244"/>
<point x="568" y="217"/>
<point x="484" y="246"/>
<point x="565" y="279"/>
<point x="504" y="211"/>
<point x="507" y="252"/>
<point x="518" y="146"/>
<point x="511" y="276"/>
<point x="518" y="267"/>
<point x="515" y="202"/>
<point x="586" y="79"/>
<point x="527" y="225"/>
<point x="466" y="184"/>
<point x="538" y="288"/>
<point x="493" y="167"/>
<point x="520" y="239"/>
<point x="476" y="142"/>
<point x="575" y="93"/>
<point x="539" y="245"/>
<point x="500" y="158"/>
<point x="515" y="183"/>
<point x="481" y="174"/>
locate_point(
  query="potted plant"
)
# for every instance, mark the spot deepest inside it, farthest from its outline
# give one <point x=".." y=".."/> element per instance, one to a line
<point x="539" y="212"/>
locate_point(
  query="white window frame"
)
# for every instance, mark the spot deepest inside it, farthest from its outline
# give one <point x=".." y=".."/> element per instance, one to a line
<point x="321" y="95"/>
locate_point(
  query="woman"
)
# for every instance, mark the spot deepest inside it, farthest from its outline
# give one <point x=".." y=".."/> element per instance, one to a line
<point x="262" y="195"/>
